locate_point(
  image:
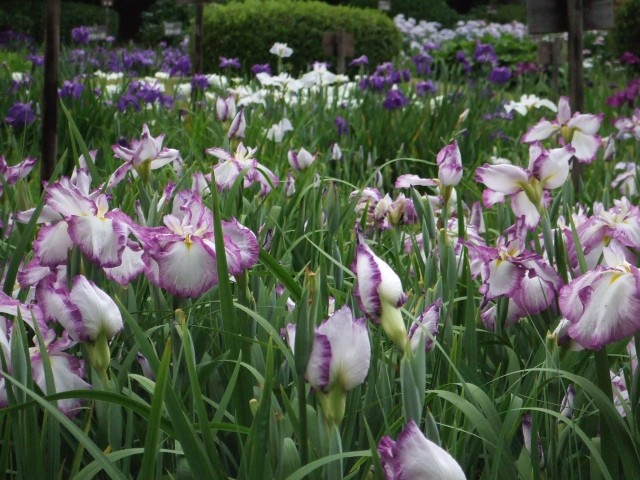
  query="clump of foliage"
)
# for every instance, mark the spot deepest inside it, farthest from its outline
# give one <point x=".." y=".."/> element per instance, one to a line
<point x="247" y="31"/>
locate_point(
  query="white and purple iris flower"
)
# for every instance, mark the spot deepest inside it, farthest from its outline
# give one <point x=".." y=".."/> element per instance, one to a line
<point x="579" y="131"/>
<point x="426" y="325"/>
<point x="9" y="175"/>
<point x="602" y="305"/>
<point x="301" y="159"/>
<point x="182" y="255"/>
<point x="413" y="456"/>
<point x="86" y="312"/>
<point x="243" y="160"/>
<point x="527" y="189"/>
<point x="339" y="359"/>
<point x="613" y="235"/>
<point x="142" y="156"/>
<point x="379" y="292"/>
<point x="67" y="371"/>
<point x="509" y="270"/>
<point x="86" y="221"/>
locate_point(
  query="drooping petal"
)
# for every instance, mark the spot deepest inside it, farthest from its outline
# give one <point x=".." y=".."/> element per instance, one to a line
<point x="504" y="178"/>
<point x="503" y="278"/>
<point x="66" y="371"/>
<point x="57" y="305"/>
<point x="523" y="207"/>
<point x="101" y="239"/>
<point x="186" y="269"/>
<point x="68" y="201"/>
<point x="133" y="264"/>
<point x="52" y="244"/>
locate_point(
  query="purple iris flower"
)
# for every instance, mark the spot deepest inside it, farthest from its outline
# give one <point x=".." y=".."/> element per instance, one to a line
<point x="342" y="124"/>
<point x="229" y="62"/>
<point x="71" y="89"/>
<point x="500" y="75"/>
<point x="80" y="35"/>
<point x="200" y="82"/>
<point x="36" y="60"/>
<point x="629" y="58"/>
<point x="461" y="57"/>
<point x="485" y="53"/>
<point x="20" y="115"/>
<point x="395" y="99"/>
<point x="360" y="61"/>
<point x="425" y="87"/>
<point x="422" y="61"/>
<point x="261" y="68"/>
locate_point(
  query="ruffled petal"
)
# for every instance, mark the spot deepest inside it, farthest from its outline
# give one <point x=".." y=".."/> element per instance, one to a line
<point x="52" y="244"/>
<point x="101" y="239"/>
<point x="553" y="169"/>
<point x="186" y="269"/>
<point x="586" y="123"/>
<point x="504" y="178"/>
<point x="523" y="207"/>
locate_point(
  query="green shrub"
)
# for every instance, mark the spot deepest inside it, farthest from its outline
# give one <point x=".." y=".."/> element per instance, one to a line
<point x="152" y="31"/>
<point x="28" y="17"/>
<point x="248" y="30"/>
<point x="429" y="10"/>
<point x="626" y="31"/>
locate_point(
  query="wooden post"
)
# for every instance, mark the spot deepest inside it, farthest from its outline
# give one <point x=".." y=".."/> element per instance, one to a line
<point x="576" y="77"/>
<point x="197" y="37"/>
<point x="50" y="90"/>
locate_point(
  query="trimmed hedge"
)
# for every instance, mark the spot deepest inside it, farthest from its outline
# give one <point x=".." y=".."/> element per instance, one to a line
<point x="28" y="17"/>
<point x="248" y="30"/>
<point x="626" y="31"/>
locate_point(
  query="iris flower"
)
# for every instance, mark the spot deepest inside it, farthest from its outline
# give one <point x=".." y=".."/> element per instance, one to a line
<point x="142" y="156"/>
<point x="182" y="254"/>
<point x="578" y="131"/>
<point x="602" y="305"/>
<point x="339" y="359"/>
<point x="379" y="292"/>
<point x="414" y="456"/>
<point x="527" y="188"/>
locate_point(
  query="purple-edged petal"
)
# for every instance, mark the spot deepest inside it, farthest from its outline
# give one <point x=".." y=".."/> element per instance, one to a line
<point x="449" y="163"/>
<point x="319" y="366"/>
<point x="602" y="306"/>
<point x="491" y="197"/>
<point x="540" y="131"/>
<point x="416" y="457"/>
<point x="246" y="242"/>
<point x="368" y="279"/>
<point x="100" y="314"/>
<point x="52" y="244"/>
<point x="57" y="305"/>
<point x="503" y="278"/>
<point x="186" y="269"/>
<point x="350" y="349"/>
<point x="553" y="169"/>
<point x="428" y="320"/>
<point x="133" y="264"/>
<point x="102" y="240"/>
<point x="564" y="110"/>
<point x="586" y="123"/>
<point x="68" y="200"/>
<point x="66" y="371"/>
<point x="504" y="178"/>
